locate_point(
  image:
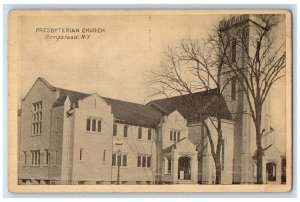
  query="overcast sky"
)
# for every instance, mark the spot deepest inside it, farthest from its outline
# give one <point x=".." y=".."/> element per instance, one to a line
<point x="112" y="63"/>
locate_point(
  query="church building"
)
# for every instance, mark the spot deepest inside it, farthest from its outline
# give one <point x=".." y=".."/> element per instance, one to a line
<point x="70" y="137"/>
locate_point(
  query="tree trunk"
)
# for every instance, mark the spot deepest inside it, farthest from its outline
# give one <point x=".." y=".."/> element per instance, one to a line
<point x="259" y="168"/>
<point x="218" y="172"/>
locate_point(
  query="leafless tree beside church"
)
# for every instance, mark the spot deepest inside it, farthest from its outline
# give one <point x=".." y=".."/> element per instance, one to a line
<point x="202" y="64"/>
<point x="265" y="60"/>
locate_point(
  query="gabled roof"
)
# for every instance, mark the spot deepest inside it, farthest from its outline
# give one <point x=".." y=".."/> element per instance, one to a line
<point x="170" y="148"/>
<point x="74" y="96"/>
<point x="133" y="113"/>
<point x="190" y="106"/>
<point x="264" y="151"/>
<point x="194" y="106"/>
<point x="45" y="82"/>
<point x="124" y="112"/>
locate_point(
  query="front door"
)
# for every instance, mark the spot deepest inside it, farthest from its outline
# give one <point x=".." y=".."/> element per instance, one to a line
<point x="184" y="168"/>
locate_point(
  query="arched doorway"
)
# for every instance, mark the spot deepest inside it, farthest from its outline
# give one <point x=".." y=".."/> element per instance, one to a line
<point x="271" y="171"/>
<point x="184" y="168"/>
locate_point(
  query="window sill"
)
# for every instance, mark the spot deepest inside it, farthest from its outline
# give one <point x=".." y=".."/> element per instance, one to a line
<point x="92" y="132"/>
<point x="121" y="167"/>
<point x="36" y="135"/>
<point x="145" y="168"/>
<point x="35" y="166"/>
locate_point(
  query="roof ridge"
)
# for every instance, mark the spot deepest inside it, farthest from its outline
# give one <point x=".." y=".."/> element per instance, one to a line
<point x="185" y="95"/>
<point x="75" y="91"/>
<point x="47" y="83"/>
<point x="144" y="105"/>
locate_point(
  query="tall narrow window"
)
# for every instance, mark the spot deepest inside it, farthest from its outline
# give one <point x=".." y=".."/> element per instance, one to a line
<point x="169" y="166"/>
<point x="37" y="118"/>
<point x="149" y="134"/>
<point x="37" y="127"/>
<point x="47" y="155"/>
<point x="233" y="88"/>
<point x="125" y="131"/>
<point x="124" y="159"/>
<point x="271" y="171"/>
<point x="178" y="135"/>
<point x="171" y="135"/>
<point x="99" y="126"/>
<point x="104" y="155"/>
<point x="88" y="124"/>
<point x="139" y="161"/>
<point x="233" y="50"/>
<point x="114" y="156"/>
<point x="140" y="133"/>
<point x="119" y="159"/>
<point x="81" y="154"/>
<point x="94" y="125"/>
<point x="33" y="128"/>
<point x="115" y="128"/>
<point x="148" y="161"/>
<point x="24" y="158"/>
<point x="144" y="162"/>
<point x="175" y="135"/>
<point x="223" y="154"/>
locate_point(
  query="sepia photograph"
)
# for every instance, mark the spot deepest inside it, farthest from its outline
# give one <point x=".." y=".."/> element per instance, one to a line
<point x="150" y="100"/>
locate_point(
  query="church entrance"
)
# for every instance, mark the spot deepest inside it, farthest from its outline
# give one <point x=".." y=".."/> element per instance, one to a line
<point x="271" y="171"/>
<point x="184" y="168"/>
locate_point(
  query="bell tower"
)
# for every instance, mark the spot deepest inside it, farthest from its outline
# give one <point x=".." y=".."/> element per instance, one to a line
<point x="234" y="33"/>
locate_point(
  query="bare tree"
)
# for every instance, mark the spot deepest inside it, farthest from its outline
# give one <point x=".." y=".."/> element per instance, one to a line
<point x="263" y="62"/>
<point x="193" y="66"/>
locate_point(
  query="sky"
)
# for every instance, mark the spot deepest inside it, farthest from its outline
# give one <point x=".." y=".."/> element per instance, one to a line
<point x="113" y="63"/>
